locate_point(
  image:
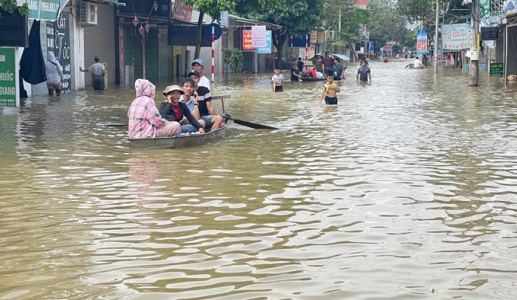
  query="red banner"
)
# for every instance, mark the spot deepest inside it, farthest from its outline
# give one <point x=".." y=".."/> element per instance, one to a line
<point x="361" y="2"/>
<point x="182" y="12"/>
<point x="247" y="40"/>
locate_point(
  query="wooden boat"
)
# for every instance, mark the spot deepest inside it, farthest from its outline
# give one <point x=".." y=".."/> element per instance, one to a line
<point x="411" y="66"/>
<point x="179" y="141"/>
<point x="312" y="79"/>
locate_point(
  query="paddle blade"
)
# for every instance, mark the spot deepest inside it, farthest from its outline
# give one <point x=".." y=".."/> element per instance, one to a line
<point x="251" y="124"/>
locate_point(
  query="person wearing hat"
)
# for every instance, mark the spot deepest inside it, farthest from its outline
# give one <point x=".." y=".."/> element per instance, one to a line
<point x="204" y="98"/>
<point x="174" y="110"/>
<point x="318" y="62"/>
<point x="198" y="66"/>
<point x="144" y="118"/>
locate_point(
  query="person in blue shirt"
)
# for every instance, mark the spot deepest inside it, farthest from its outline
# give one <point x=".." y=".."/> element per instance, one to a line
<point x="339" y="69"/>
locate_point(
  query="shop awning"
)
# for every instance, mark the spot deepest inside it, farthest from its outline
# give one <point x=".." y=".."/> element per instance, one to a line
<point x="243" y="22"/>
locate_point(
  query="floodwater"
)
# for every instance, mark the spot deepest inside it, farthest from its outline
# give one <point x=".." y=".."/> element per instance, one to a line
<point x="406" y="190"/>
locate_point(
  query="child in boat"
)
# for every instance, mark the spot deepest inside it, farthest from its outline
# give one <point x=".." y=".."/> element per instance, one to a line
<point x="278" y="81"/>
<point x="330" y="89"/>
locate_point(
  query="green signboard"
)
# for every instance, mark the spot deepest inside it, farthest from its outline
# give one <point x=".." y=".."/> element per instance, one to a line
<point x="43" y="9"/>
<point x="7" y="77"/>
<point x="497" y="68"/>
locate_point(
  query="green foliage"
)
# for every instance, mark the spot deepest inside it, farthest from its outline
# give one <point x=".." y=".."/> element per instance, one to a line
<point x="351" y="18"/>
<point x="212" y="8"/>
<point x="410" y="39"/>
<point x="235" y="60"/>
<point x="11" y="5"/>
<point x="297" y="17"/>
<point x="417" y="10"/>
<point x="387" y="25"/>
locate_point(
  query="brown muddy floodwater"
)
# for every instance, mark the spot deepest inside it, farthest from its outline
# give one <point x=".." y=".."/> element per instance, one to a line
<point x="406" y="190"/>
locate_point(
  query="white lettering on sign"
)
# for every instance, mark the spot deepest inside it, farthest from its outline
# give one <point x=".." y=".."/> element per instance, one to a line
<point x="7" y="90"/>
<point x="50" y="7"/>
<point x="33" y="4"/>
<point x="2" y="58"/>
<point x="7" y="76"/>
<point x="12" y="35"/>
<point x="61" y="22"/>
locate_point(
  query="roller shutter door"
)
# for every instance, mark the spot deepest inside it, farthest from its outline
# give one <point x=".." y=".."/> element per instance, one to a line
<point x="99" y="41"/>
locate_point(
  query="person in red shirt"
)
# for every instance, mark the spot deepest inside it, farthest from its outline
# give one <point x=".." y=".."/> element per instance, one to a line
<point x="174" y="110"/>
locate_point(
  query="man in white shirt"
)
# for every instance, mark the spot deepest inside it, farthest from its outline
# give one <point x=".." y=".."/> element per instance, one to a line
<point x="198" y="65"/>
<point x="417" y="64"/>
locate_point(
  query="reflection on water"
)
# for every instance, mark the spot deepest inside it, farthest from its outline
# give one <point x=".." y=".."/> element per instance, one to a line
<point x="405" y="190"/>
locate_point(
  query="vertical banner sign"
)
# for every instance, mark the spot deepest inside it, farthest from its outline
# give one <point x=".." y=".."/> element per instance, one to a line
<point x="50" y="38"/>
<point x="421" y="42"/>
<point x="247" y="40"/>
<point x="7" y="77"/>
<point x="306" y="53"/>
<point x="258" y="36"/>
<point x="267" y="49"/>
<point x="62" y="49"/>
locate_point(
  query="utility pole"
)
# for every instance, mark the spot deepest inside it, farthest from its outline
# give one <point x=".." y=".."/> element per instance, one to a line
<point x="436" y="40"/>
<point x="474" y="51"/>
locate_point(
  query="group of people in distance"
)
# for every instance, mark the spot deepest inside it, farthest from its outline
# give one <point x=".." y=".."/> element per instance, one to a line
<point x="186" y="109"/>
<point x="333" y="69"/>
<point x="323" y="65"/>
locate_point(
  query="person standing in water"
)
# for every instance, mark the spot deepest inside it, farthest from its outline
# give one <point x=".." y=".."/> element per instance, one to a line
<point x="330" y="90"/>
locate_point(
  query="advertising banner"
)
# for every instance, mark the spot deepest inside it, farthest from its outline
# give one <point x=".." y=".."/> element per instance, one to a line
<point x="62" y="49"/>
<point x="7" y="77"/>
<point x="456" y="37"/>
<point x="44" y="9"/>
<point x="182" y="12"/>
<point x="258" y="36"/>
<point x="421" y="42"/>
<point x="50" y="37"/>
<point x="247" y="40"/>
<point x="306" y="53"/>
<point x="267" y="49"/>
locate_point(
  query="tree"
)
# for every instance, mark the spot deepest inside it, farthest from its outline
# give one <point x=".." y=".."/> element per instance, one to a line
<point x="425" y="11"/>
<point x="353" y="17"/>
<point x="297" y="17"/>
<point x="417" y="10"/>
<point x="387" y="25"/>
<point x="11" y="5"/>
<point x="213" y="8"/>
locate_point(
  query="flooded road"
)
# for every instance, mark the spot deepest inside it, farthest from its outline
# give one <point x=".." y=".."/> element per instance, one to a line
<point x="406" y="190"/>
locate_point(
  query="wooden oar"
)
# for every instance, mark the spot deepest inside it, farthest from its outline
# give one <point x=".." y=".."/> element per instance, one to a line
<point x="249" y="124"/>
<point x="238" y="121"/>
